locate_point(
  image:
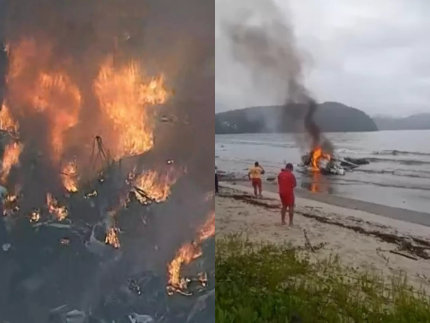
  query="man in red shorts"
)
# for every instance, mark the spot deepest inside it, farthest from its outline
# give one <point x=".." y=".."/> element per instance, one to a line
<point x="255" y="177"/>
<point x="287" y="183"/>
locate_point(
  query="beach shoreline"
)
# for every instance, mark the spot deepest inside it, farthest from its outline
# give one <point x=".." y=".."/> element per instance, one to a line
<point x="361" y="239"/>
<point x="395" y="213"/>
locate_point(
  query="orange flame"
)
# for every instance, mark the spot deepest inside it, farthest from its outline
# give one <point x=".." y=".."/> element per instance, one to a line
<point x="10" y="158"/>
<point x="69" y="177"/>
<point x="112" y="238"/>
<point x="34" y="87"/>
<point x="53" y="91"/>
<point x="317" y="154"/>
<point x="6" y="121"/>
<point x="60" y="212"/>
<point x="207" y="230"/>
<point x="156" y="185"/>
<point x="189" y="252"/>
<point x="123" y="97"/>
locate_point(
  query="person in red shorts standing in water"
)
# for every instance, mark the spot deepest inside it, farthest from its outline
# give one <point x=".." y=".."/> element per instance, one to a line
<point x="255" y="177"/>
<point x="287" y="183"/>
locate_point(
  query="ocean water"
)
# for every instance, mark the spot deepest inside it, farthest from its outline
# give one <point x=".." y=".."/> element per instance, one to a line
<point x="398" y="174"/>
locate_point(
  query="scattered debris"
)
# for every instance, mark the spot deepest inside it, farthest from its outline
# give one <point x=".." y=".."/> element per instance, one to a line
<point x="415" y="246"/>
<point x="319" y="161"/>
<point x="403" y="254"/>
<point x="64" y="314"/>
<point x="6" y="247"/>
<point x="137" y="318"/>
<point x="308" y="243"/>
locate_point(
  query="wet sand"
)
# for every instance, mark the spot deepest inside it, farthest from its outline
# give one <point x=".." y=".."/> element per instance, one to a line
<point x="361" y="239"/>
<point x="373" y="208"/>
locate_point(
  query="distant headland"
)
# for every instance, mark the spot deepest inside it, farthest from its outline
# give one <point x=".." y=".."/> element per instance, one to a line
<point x="330" y="116"/>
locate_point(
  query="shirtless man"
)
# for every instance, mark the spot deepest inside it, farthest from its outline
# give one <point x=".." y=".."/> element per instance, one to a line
<point x="255" y="176"/>
<point x="287" y="183"/>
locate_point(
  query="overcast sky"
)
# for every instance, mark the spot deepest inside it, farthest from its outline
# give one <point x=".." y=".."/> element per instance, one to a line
<point x="372" y="55"/>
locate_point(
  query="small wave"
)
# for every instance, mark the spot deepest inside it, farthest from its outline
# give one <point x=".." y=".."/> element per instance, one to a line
<point x="398" y="161"/>
<point x="401" y="173"/>
<point x="262" y="143"/>
<point x="400" y="152"/>
<point x="346" y="181"/>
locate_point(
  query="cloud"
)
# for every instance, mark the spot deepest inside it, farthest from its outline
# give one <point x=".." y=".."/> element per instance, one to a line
<point x="372" y="55"/>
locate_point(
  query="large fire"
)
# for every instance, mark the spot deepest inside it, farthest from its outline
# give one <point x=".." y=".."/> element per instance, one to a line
<point x="69" y="177"/>
<point x="6" y="121"/>
<point x="35" y="88"/>
<point x="154" y="185"/>
<point x="55" y="209"/>
<point x="12" y="151"/>
<point x="10" y="158"/>
<point x="123" y="96"/>
<point x="49" y="91"/>
<point x="112" y="238"/>
<point x="187" y="253"/>
<point x="316" y="155"/>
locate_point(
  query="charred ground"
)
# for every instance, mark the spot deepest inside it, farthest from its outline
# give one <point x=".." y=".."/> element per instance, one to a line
<point x="106" y="108"/>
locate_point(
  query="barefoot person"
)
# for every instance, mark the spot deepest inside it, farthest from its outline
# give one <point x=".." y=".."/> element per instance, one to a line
<point x="287" y="183"/>
<point x="255" y="176"/>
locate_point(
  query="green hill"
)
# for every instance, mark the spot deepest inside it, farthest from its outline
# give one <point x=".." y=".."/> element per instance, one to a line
<point x="330" y="116"/>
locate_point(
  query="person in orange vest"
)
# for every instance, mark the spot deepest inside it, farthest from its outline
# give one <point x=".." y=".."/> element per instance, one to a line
<point x="255" y="176"/>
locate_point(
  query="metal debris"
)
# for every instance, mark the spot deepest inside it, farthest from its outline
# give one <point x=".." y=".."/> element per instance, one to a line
<point x="137" y="318"/>
<point x="64" y="314"/>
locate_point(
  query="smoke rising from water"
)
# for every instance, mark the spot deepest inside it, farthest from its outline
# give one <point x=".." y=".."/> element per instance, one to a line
<point x="263" y="40"/>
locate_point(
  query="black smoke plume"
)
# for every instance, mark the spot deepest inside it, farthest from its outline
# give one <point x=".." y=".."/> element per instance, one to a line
<point x="263" y="40"/>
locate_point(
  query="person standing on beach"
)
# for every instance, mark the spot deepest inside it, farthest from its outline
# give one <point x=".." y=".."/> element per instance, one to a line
<point x="287" y="183"/>
<point x="255" y="176"/>
<point x="216" y="179"/>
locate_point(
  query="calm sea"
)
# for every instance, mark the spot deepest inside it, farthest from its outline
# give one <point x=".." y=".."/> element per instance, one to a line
<point x="398" y="174"/>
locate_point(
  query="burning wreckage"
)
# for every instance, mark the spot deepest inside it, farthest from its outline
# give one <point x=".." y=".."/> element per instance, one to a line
<point x="82" y="251"/>
<point x="318" y="160"/>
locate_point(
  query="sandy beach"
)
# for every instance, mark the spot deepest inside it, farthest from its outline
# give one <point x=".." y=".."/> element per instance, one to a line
<point x="360" y="238"/>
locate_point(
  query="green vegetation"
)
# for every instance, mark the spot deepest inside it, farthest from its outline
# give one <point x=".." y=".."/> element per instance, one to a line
<point x="274" y="284"/>
<point x="330" y="116"/>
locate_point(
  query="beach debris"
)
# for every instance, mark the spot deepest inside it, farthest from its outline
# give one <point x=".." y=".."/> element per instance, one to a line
<point x="403" y="254"/>
<point x="415" y="246"/>
<point x="308" y="243"/>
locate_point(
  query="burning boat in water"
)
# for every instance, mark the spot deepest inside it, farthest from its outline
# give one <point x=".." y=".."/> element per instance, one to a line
<point x="320" y="161"/>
